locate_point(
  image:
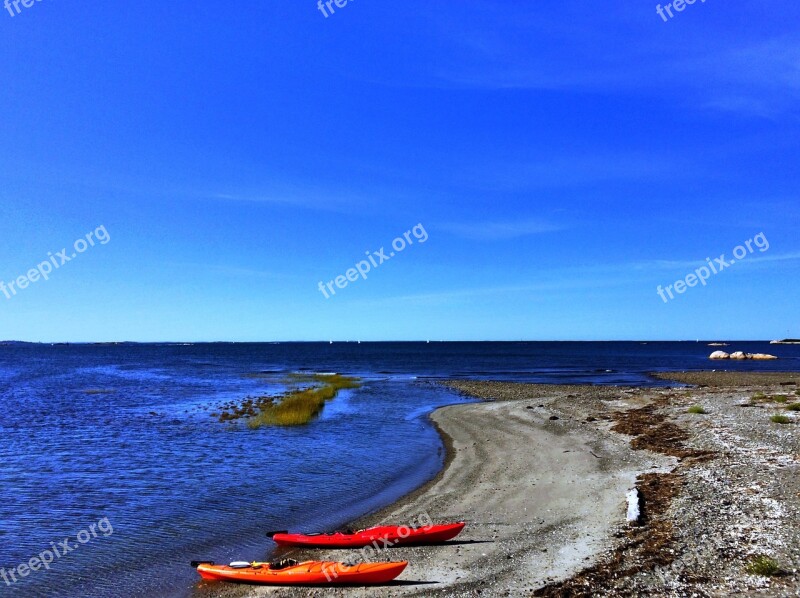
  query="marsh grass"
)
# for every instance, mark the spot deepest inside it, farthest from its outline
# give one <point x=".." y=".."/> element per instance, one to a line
<point x="337" y="381"/>
<point x="697" y="409"/>
<point x="780" y="419"/>
<point x="793" y="407"/>
<point x="303" y="401"/>
<point x="760" y="397"/>
<point x="295" y="409"/>
<point x="762" y="565"/>
<point x="300" y="406"/>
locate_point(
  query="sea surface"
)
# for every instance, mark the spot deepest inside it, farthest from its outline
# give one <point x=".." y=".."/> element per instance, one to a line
<point x="113" y="447"/>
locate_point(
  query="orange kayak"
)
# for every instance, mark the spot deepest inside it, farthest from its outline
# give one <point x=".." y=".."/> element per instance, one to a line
<point x="306" y="573"/>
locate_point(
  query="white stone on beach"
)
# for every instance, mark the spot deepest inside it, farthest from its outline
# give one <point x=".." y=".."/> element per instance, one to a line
<point x="633" y="506"/>
<point x="719" y="355"/>
<point x="739" y="355"/>
<point x="761" y="356"/>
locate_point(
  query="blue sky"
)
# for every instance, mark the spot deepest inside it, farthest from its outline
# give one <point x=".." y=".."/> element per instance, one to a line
<point x="564" y="161"/>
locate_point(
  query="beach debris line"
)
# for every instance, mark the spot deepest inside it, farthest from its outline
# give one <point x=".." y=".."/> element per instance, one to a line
<point x="296" y="407"/>
<point x="650" y="543"/>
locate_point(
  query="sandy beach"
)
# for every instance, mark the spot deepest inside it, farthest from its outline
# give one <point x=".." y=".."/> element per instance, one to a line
<point x="540" y="474"/>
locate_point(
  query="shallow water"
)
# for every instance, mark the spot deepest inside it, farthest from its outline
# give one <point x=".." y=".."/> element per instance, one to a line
<point x="124" y="433"/>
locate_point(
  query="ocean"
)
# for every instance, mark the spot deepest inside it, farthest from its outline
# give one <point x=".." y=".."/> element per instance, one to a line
<point x="113" y="447"/>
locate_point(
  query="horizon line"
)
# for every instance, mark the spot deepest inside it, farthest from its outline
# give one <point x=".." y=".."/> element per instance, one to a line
<point x="356" y="341"/>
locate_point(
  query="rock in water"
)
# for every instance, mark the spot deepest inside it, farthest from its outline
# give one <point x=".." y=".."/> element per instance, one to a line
<point x="740" y="355"/>
<point x="761" y="356"/>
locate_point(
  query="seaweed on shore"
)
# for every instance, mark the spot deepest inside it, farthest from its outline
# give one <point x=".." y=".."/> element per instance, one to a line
<point x="646" y="546"/>
<point x="651" y="431"/>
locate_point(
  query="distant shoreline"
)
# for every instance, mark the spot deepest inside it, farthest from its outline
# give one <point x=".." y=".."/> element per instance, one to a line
<point x="326" y="342"/>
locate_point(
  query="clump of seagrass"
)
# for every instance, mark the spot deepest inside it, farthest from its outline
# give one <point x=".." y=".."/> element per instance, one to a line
<point x="301" y="405"/>
<point x="762" y="565"/>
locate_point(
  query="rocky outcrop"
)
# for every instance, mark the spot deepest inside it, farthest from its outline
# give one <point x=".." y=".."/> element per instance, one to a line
<point x="740" y="355"/>
<point x="760" y="356"/>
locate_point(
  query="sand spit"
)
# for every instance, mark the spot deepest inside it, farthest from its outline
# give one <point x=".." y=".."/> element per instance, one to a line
<point x="541" y="473"/>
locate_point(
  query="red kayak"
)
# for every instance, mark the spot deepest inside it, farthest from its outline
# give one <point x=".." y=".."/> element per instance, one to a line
<point x="383" y="536"/>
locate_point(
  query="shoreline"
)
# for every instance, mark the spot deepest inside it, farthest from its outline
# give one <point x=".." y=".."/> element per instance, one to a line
<point x="516" y="503"/>
<point x="545" y="509"/>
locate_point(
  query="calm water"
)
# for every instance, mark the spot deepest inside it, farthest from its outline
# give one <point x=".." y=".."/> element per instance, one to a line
<point x="124" y="433"/>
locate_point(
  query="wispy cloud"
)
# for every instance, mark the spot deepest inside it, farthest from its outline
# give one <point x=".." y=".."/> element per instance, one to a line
<point x="589" y="277"/>
<point x="753" y="260"/>
<point x="309" y="198"/>
<point x="624" y="50"/>
<point x="760" y="78"/>
<point x="578" y="169"/>
<point x="233" y="271"/>
<point x="496" y="231"/>
<point x="332" y="197"/>
<point x="448" y="297"/>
